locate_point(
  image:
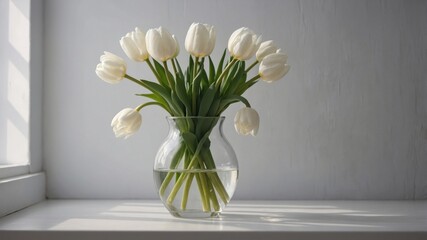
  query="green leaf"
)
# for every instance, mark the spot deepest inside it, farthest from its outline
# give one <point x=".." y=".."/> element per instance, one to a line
<point x="181" y="74"/>
<point x="232" y="99"/>
<point x="204" y="83"/>
<point x="242" y="89"/>
<point x="165" y="94"/>
<point x="213" y="111"/>
<point x="196" y="81"/>
<point x="206" y="102"/>
<point x="177" y="101"/>
<point x="156" y="98"/>
<point x="161" y="71"/>
<point x="230" y="77"/>
<point x="204" y="125"/>
<point x="156" y="88"/>
<point x="238" y="79"/>
<point x="238" y="82"/>
<point x="190" y="140"/>
<point x="181" y="92"/>
<point x="201" y="64"/>
<point x="211" y="71"/>
<point x="190" y="71"/>
<point x="220" y="64"/>
<point x="171" y="77"/>
<point x="153" y="96"/>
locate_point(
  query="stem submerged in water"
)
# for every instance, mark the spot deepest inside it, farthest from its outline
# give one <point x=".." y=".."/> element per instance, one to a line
<point x="193" y="164"/>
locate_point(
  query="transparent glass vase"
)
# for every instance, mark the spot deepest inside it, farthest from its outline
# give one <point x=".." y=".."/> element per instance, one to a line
<point x="196" y="168"/>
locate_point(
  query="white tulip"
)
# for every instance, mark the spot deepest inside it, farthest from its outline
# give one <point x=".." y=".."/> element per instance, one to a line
<point x="273" y="67"/>
<point x="126" y="122"/>
<point x="112" y="68"/>
<point x="160" y="44"/>
<point x="200" y="39"/>
<point x="246" y="121"/>
<point x="243" y="43"/>
<point x="266" y="48"/>
<point x="133" y="44"/>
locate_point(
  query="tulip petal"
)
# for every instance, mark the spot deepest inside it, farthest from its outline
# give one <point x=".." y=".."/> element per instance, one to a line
<point x="126" y="123"/>
<point x="160" y="44"/>
<point x="246" y="121"/>
<point x="273" y="67"/>
<point x="200" y="39"/>
<point x="112" y="68"/>
<point x="243" y="44"/>
<point x="130" y="48"/>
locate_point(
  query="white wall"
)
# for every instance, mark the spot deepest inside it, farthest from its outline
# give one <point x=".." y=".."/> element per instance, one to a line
<point x="348" y="122"/>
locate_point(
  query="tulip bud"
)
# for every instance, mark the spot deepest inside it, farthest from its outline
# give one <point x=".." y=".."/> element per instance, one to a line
<point x="266" y="48"/>
<point x="112" y="68"/>
<point x="200" y="39"/>
<point x="160" y="44"/>
<point x="273" y="67"/>
<point x="133" y="44"/>
<point x="126" y="122"/>
<point x="243" y="43"/>
<point x="246" y="121"/>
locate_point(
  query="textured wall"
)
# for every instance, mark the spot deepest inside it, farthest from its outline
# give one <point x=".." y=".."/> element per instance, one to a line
<point x="348" y="122"/>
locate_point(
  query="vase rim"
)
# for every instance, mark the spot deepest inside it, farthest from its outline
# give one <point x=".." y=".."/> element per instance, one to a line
<point x="194" y="117"/>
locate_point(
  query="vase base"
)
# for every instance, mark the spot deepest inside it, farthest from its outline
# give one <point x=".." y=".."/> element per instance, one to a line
<point x="194" y="214"/>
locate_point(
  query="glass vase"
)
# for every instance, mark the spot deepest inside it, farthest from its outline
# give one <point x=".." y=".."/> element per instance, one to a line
<point x="196" y="168"/>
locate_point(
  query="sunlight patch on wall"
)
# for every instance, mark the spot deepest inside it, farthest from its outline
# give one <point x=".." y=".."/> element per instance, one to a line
<point x="19" y="30"/>
<point x="15" y="82"/>
<point x="17" y="144"/>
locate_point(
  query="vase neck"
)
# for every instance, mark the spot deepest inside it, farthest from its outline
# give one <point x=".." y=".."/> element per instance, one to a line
<point x="196" y="125"/>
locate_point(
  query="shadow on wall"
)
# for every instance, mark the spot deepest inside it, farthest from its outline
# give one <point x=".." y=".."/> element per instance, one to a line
<point x="14" y="81"/>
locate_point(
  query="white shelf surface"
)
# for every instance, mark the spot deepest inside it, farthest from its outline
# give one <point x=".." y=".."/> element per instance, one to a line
<point x="135" y="219"/>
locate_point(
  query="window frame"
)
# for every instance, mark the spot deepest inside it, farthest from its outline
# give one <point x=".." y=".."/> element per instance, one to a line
<point x="22" y="185"/>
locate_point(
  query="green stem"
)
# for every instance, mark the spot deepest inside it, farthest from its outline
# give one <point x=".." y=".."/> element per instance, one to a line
<point x="213" y="197"/>
<point x="196" y="63"/>
<point x="251" y="66"/>
<point x="223" y="74"/>
<point x="194" y="90"/>
<point x="256" y="77"/>
<point x="186" y="191"/>
<point x="204" y="182"/>
<point x="147" y="104"/>
<point x="153" y="70"/>
<point x="216" y="181"/>
<point x="134" y="80"/>
<point x="202" y="193"/>
<point x="171" y="83"/>
<point x="193" y="161"/>
<point x="174" y="66"/>
<point x="180" y="181"/>
<point x="174" y="163"/>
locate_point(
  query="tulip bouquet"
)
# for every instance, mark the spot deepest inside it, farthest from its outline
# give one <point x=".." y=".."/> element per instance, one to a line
<point x="203" y="90"/>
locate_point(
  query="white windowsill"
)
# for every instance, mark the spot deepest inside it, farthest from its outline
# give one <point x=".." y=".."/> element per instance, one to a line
<point x="11" y="170"/>
<point x="21" y="191"/>
<point x="136" y="219"/>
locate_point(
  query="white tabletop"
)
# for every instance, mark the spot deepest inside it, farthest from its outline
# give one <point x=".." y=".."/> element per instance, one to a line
<point x="133" y="219"/>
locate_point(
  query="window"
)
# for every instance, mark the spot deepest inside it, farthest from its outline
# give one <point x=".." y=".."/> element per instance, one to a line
<point x="21" y="180"/>
<point x="14" y="88"/>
